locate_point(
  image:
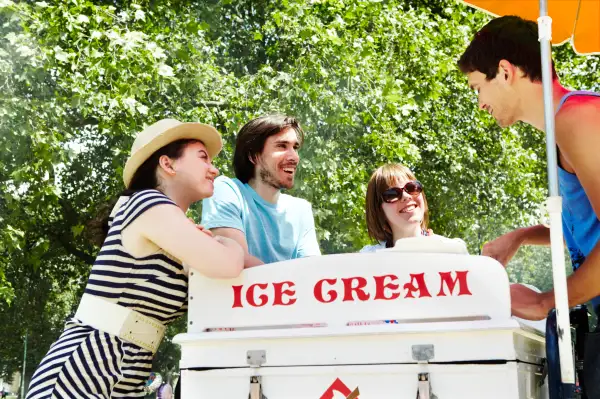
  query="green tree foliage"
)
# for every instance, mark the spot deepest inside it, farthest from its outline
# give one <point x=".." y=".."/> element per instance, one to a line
<point x="371" y="81"/>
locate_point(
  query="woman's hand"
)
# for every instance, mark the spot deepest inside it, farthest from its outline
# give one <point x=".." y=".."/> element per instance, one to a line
<point x="201" y="228"/>
<point x="205" y="231"/>
<point x="228" y="242"/>
<point x="169" y="228"/>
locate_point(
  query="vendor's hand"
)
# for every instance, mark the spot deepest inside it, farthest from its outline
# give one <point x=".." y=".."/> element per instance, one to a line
<point x="528" y="304"/>
<point x="504" y="247"/>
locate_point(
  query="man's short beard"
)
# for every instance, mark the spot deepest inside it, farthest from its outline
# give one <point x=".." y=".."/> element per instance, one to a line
<point x="267" y="177"/>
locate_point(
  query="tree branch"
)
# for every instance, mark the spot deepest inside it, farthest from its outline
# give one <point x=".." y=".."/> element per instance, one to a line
<point x="73" y="250"/>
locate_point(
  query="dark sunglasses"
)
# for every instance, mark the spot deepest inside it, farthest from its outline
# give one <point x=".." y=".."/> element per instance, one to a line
<point x="393" y="194"/>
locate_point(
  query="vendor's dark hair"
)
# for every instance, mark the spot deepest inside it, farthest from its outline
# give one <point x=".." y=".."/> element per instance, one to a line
<point x="509" y="38"/>
<point x="144" y="178"/>
<point x="251" y="140"/>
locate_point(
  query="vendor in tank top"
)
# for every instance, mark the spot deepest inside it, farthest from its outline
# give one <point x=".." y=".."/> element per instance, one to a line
<point x="509" y="87"/>
<point x="503" y="65"/>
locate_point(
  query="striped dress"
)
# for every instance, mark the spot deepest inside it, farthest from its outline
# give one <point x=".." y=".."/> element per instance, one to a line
<point x="87" y="363"/>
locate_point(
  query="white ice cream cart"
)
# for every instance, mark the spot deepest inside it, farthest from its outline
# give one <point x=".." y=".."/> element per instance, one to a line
<point x="405" y="323"/>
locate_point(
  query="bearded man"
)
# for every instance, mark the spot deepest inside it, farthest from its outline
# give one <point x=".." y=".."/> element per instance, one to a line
<point x="251" y="208"/>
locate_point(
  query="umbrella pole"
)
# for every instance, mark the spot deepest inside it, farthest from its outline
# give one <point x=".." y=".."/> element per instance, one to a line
<point x="555" y="205"/>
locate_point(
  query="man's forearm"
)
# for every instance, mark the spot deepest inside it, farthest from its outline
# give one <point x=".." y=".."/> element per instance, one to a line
<point x="504" y="248"/>
<point x="583" y="284"/>
<point x="535" y="235"/>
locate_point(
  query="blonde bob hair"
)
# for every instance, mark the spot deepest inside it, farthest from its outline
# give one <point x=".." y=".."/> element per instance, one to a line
<point x="383" y="178"/>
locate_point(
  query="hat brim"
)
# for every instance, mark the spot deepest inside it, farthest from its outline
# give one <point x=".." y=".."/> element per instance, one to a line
<point x="208" y="135"/>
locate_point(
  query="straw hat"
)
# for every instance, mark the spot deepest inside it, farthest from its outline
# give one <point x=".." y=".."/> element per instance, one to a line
<point x="164" y="132"/>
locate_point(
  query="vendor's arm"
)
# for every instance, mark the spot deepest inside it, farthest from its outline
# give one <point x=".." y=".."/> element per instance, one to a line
<point x="579" y="139"/>
<point x="582" y="286"/>
<point x="222" y="214"/>
<point x="506" y="246"/>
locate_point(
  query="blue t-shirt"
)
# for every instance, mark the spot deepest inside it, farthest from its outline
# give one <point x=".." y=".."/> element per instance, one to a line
<point x="274" y="232"/>
<point x="581" y="227"/>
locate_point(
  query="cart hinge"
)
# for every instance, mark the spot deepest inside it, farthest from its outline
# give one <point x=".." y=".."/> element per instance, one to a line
<point x="423" y="353"/>
<point x="424" y="387"/>
<point x="256" y="358"/>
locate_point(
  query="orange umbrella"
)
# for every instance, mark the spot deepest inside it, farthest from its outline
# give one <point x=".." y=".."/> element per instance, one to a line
<point x="577" y="21"/>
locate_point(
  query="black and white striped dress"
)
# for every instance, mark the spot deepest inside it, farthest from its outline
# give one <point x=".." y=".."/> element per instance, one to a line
<point x="87" y="363"/>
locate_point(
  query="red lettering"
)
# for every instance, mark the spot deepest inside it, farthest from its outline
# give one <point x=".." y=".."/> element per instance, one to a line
<point x="237" y="296"/>
<point x="279" y="292"/>
<point x="318" y="290"/>
<point x="461" y="278"/>
<point x="421" y="287"/>
<point x="263" y="298"/>
<point x="381" y="285"/>
<point x="359" y="289"/>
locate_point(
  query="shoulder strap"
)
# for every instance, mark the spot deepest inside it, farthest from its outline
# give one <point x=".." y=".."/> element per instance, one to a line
<point x="575" y="93"/>
<point x="139" y="203"/>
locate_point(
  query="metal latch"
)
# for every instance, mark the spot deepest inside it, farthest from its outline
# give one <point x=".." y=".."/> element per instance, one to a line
<point x="542" y="370"/>
<point x="424" y="387"/>
<point x="256" y="388"/>
<point x="256" y="358"/>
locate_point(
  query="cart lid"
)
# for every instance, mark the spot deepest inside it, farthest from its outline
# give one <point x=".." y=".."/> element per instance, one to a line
<point x="393" y="286"/>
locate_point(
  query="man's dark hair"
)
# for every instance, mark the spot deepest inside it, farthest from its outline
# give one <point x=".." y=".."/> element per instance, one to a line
<point x="509" y="38"/>
<point x="251" y="140"/>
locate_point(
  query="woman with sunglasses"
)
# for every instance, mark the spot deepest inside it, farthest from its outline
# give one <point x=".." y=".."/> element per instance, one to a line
<point x="396" y="207"/>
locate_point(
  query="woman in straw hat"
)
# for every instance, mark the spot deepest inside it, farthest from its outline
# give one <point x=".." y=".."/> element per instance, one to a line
<point x="138" y="283"/>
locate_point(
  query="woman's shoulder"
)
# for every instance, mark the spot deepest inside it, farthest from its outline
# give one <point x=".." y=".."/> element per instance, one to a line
<point x="129" y="208"/>
<point x="144" y="198"/>
<point x="148" y="194"/>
